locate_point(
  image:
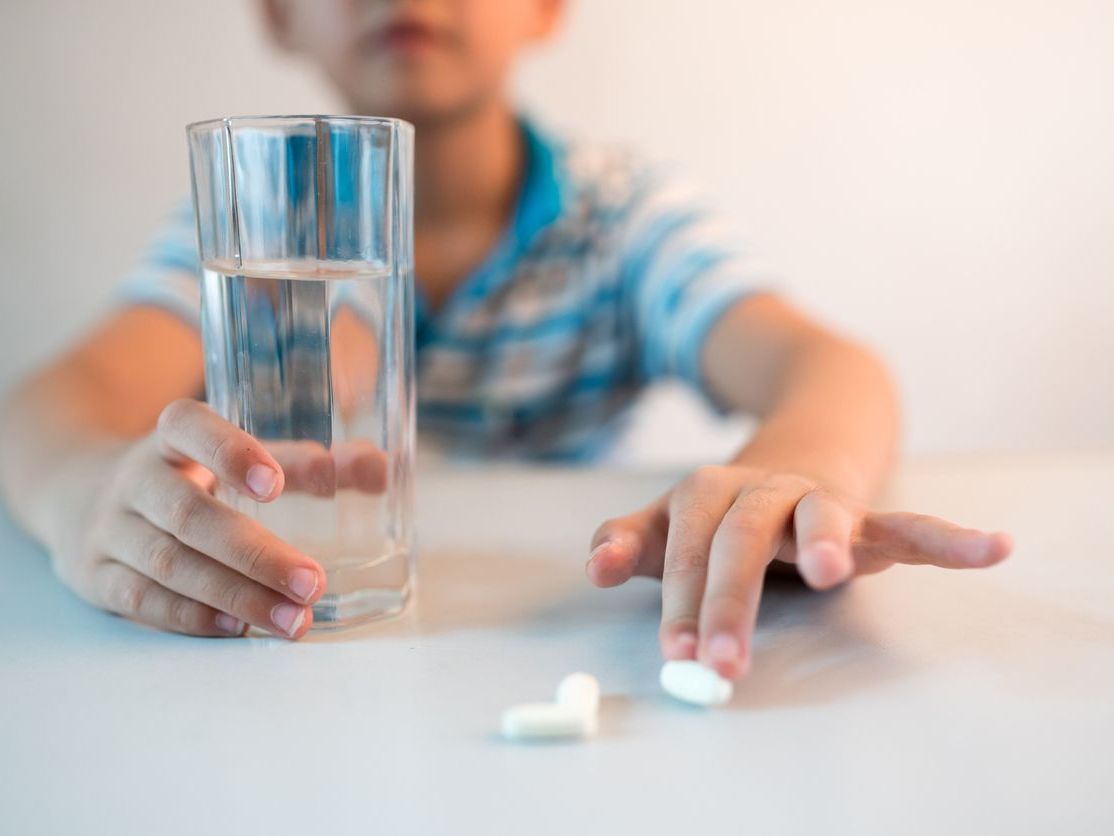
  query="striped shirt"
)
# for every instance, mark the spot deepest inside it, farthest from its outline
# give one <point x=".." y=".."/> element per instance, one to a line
<point x="608" y="277"/>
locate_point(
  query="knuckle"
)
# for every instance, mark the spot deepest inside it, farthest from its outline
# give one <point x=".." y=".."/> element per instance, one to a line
<point x="130" y="596"/>
<point x="174" y="413"/>
<point x="831" y="504"/>
<point x="817" y="493"/>
<point x="163" y="559"/>
<point x="743" y="524"/>
<point x="237" y="598"/>
<point x="727" y="601"/>
<point x="790" y="482"/>
<point x="225" y="455"/>
<point x="690" y="515"/>
<point x="675" y="574"/>
<point x="684" y="563"/>
<point x="250" y="556"/>
<point x="704" y="478"/>
<point x="184" y="615"/>
<point x="761" y="498"/>
<point x="185" y="512"/>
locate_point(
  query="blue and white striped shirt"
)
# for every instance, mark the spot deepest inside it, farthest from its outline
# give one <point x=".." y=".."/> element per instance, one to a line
<point x="609" y="277"/>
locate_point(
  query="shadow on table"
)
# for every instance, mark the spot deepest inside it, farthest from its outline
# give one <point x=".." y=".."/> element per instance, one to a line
<point x="809" y="647"/>
<point x="475" y="591"/>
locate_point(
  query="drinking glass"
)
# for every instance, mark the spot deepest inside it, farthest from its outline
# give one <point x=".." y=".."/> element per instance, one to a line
<point x="305" y="230"/>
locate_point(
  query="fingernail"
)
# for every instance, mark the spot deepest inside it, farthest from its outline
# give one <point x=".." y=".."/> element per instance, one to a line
<point x="303" y="583"/>
<point x="684" y="645"/>
<point x="230" y="625"/>
<point x="723" y="647"/>
<point x="1004" y="540"/>
<point x="824" y="565"/>
<point x="261" y="480"/>
<point x="606" y="544"/>
<point x="288" y="617"/>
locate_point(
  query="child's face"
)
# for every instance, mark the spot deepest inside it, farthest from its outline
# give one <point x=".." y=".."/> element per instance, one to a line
<point x="422" y="60"/>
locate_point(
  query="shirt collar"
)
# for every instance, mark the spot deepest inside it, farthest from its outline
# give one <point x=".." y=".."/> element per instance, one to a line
<point x="540" y="199"/>
<point x="540" y="202"/>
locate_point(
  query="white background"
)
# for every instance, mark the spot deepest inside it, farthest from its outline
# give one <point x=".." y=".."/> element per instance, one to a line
<point x="934" y="176"/>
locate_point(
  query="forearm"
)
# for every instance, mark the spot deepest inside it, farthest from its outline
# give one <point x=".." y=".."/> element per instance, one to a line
<point x="56" y="436"/>
<point x="834" y="418"/>
<point x="827" y="406"/>
<point x="60" y="428"/>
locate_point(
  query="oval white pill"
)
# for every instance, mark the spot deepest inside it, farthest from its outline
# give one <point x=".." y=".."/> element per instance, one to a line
<point x="692" y="682"/>
<point x="580" y="691"/>
<point x="537" y="720"/>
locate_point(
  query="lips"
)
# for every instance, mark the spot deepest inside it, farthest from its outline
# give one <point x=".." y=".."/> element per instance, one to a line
<point x="407" y="36"/>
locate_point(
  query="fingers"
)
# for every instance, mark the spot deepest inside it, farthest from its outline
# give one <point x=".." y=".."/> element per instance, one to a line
<point x="915" y="539"/>
<point x="133" y="541"/>
<point x="309" y="467"/>
<point x="189" y="430"/>
<point x="361" y="465"/>
<point x="750" y="534"/>
<point x="998" y="549"/>
<point x="823" y="528"/>
<point x="626" y="546"/>
<point x="713" y="537"/>
<point x="124" y="591"/>
<point x="696" y="510"/>
<point x="198" y="520"/>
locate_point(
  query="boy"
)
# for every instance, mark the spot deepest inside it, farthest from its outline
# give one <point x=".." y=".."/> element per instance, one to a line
<point x="553" y="282"/>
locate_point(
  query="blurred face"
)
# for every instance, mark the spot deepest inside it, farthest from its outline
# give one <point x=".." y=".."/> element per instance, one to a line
<point x="423" y="60"/>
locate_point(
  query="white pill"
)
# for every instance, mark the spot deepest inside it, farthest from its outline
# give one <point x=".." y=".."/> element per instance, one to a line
<point x="695" y="683"/>
<point x="580" y="691"/>
<point x="546" y="720"/>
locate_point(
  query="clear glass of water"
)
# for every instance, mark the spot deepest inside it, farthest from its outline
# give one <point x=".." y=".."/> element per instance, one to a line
<point x="304" y="225"/>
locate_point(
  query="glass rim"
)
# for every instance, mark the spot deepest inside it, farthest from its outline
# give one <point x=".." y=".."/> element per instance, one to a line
<point x="314" y="118"/>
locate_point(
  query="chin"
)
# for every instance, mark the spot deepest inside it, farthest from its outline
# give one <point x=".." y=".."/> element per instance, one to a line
<point x="420" y="93"/>
<point x="419" y="110"/>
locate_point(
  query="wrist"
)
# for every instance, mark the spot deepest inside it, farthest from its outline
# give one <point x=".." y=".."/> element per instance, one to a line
<point x="56" y="506"/>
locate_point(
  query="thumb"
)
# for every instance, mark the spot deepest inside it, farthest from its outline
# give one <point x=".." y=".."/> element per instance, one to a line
<point x="632" y="545"/>
<point x="888" y="538"/>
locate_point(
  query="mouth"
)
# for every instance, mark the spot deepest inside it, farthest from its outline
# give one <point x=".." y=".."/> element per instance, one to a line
<point x="406" y="36"/>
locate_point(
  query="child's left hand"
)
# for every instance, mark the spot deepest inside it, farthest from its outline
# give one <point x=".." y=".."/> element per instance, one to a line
<point x="711" y="538"/>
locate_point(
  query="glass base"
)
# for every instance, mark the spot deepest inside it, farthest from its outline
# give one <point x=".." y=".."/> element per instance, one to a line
<point x="338" y="612"/>
<point x="357" y="593"/>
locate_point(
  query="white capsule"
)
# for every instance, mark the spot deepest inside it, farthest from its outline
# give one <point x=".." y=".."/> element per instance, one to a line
<point x="546" y="720"/>
<point x="580" y="691"/>
<point x="695" y="683"/>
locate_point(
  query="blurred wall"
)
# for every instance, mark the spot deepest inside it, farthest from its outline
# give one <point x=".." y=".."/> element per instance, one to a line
<point x="935" y="176"/>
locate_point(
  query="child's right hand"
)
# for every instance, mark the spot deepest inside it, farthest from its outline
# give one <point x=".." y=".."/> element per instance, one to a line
<point x="155" y="545"/>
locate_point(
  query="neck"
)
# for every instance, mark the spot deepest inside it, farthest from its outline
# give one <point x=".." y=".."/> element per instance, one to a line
<point x="467" y="166"/>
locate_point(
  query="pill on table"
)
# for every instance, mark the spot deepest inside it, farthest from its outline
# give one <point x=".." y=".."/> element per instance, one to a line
<point x="538" y="720"/>
<point x="695" y="683"/>
<point x="580" y="691"/>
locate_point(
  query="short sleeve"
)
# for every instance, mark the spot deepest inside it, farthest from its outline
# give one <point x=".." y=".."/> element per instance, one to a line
<point x="683" y="267"/>
<point x="168" y="274"/>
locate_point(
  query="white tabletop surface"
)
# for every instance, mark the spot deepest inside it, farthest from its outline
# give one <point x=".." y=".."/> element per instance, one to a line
<point x="917" y="701"/>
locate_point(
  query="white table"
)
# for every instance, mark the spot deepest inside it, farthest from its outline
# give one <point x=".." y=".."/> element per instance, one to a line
<point x="917" y="701"/>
